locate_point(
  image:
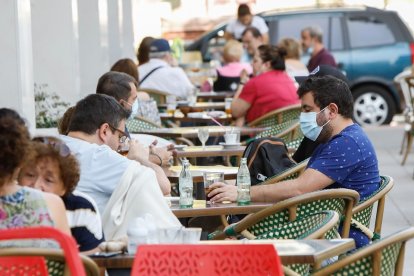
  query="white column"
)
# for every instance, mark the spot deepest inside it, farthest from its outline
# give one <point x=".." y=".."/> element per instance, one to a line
<point x="55" y="47"/>
<point x="128" y="47"/>
<point x="114" y="30"/>
<point x="16" y="66"/>
<point x="93" y="43"/>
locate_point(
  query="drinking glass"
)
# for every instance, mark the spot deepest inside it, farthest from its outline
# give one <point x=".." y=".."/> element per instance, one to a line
<point x="203" y="136"/>
<point x="227" y="106"/>
<point x="171" y="104"/>
<point x="209" y="179"/>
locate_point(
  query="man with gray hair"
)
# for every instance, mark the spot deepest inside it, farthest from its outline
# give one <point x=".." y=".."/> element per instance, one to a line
<point x="312" y="43"/>
<point x="158" y="73"/>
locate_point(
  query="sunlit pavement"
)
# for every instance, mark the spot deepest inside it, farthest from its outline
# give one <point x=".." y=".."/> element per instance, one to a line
<point x="399" y="206"/>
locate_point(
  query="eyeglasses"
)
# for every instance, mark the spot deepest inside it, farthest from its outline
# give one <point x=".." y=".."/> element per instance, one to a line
<point x="62" y="148"/>
<point x="122" y="137"/>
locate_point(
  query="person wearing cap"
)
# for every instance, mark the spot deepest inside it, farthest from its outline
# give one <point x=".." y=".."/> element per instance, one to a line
<point x="307" y="146"/>
<point x="246" y="19"/>
<point x="158" y="73"/>
<point x="345" y="157"/>
<point x="313" y="44"/>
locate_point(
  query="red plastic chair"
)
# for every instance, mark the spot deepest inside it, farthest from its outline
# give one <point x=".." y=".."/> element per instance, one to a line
<point x="207" y="260"/>
<point x="36" y="265"/>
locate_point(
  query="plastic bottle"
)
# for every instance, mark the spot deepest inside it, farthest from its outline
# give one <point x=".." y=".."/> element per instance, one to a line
<point x="243" y="183"/>
<point x="137" y="234"/>
<point x="186" y="186"/>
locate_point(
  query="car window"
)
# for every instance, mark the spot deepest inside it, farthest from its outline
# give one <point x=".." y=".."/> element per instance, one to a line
<point x="365" y="31"/>
<point x="291" y="26"/>
<point x="337" y="41"/>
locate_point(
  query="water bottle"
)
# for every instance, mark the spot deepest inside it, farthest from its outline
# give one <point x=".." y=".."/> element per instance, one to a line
<point x="243" y="183"/>
<point x="185" y="183"/>
<point x="137" y="234"/>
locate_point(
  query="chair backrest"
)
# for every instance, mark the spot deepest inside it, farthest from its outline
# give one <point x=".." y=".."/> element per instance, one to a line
<point x="284" y="114"/>
<point x="159" y="96"/>
<point x="67" y="243"/>
<point x="340" y="200"/>
<point x="203" y="259"/>
<point x="279" y="121"/>
<point x="55" y="259"/>
<point x="382" y="257"/>
<point x="363" y="211"/>
<point x="138" y="124"/>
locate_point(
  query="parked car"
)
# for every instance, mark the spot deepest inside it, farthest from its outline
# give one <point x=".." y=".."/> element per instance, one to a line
<point x="370" y="45"/>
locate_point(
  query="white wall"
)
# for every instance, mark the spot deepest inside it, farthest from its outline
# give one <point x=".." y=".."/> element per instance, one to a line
<point x="16" y="74"/>
<point x="55" y="44"/>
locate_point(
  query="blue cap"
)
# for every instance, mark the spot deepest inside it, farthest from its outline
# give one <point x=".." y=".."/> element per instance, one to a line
<point x="160" y="45"/>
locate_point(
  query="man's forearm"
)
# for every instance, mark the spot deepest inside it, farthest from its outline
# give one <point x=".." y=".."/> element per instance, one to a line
<point x="162" y="179"/>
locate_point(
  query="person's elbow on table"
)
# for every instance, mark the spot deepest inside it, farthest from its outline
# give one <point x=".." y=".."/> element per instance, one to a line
<point x="223" y="192"/>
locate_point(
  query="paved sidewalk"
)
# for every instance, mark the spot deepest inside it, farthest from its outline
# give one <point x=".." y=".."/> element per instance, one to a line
<point x="399" y="206"/>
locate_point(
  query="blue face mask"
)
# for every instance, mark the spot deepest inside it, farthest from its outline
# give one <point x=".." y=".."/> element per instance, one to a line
<point x="134" y="109"/>
<point x="309" y="126"/>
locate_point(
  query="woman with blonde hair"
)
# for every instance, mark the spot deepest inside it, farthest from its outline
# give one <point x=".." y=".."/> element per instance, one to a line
<point x="228" y="76"/>
<point x="294" y="67"/>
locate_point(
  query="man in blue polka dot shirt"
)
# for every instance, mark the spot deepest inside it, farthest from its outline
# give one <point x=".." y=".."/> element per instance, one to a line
<point x="345" y="157"/>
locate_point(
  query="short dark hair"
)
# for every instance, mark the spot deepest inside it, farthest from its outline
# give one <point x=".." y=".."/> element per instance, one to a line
<point x="243" y="10"/>
<point x="116" y="84"/>
<point x="326" y="90"/>
<point x="253" y="30"/>
<point x="14" y="143"/>
<point x="94" y="110"/>
<point x="273" y="54"/>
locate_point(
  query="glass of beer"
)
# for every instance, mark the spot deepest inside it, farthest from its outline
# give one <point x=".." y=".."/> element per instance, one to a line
<point x="209" y="179"/>
<point x="124" y="148"/>
<point x="171" y="104"/>
<point x="227" y="105"/>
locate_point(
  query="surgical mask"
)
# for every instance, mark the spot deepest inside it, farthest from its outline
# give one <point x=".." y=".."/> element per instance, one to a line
<point x="134" y="109"/>
<point x="310" y="50"/>
<point x="309" y="126"/>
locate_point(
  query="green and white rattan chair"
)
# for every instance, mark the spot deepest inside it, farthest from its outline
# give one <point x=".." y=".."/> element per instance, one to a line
<point x="382" y="257"/>
<point x="340" y="200"/>
<point x="278" y="120"/>
<point x="159" y="96"/>
<point x="361" y="214"/>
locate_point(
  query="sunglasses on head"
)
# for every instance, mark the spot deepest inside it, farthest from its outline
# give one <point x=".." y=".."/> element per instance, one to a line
<point x="61" y="147"/>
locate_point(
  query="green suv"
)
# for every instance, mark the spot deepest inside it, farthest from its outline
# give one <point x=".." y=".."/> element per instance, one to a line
<point x="370" y="45"/>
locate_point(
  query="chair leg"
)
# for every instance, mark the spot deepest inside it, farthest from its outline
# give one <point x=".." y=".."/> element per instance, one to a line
<point x="408" y="148"/>
<point x="404" y="140"/>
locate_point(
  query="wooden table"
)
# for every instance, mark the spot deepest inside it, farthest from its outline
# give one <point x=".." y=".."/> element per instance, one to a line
<point x="289" y="251"/>
<point x="203" y="118"/>
<point x="203" y="209"/>
<point x="198" y="106"/>
<point x="215" y="95"/>
<point x="173" y="172"/>
<point x="192" y="132"/>
<point x="209" y="151"/>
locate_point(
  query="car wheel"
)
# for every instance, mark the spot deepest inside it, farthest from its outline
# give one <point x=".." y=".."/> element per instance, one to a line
<point x="373" y="105"/>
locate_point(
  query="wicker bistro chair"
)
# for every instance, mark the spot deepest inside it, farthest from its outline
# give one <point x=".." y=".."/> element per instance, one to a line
<point x="361" y="214"/>
<point x="382" y="257"/>
<point x="159" y="96"/>
<point x="290" y="173"/>
<point x="277" y="120"/>
<point x="408" y="91"/>
<point x="340" y="200"/>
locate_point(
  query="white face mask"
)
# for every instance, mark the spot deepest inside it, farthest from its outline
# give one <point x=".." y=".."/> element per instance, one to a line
<point x="309" y="125"/>
<point x="134" y="109"/>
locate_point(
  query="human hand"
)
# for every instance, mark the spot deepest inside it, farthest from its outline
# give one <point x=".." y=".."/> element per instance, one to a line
<point x="223" y="192"/>
<point x="160" y="156"/>
<point x="244" y="76"/>
<point x="137" y="151"/>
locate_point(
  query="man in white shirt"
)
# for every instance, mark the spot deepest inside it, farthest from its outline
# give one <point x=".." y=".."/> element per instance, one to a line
<point x="245" y="19"/>
<point x="158" y="73"/>
<point x="95" y="133"/>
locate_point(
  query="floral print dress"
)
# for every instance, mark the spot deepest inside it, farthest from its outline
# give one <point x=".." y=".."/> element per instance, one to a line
<point x="27" y="207"/>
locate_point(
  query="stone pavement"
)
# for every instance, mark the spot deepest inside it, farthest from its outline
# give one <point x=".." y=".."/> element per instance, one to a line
<point x="399" y="211"/>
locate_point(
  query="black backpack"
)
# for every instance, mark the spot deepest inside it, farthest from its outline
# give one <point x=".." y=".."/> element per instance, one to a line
<point x="267" y="157"/>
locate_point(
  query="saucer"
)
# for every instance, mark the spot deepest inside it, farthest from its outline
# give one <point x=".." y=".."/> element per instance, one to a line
<point x="228" y="146"/>
<point x="180" y="147"/>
